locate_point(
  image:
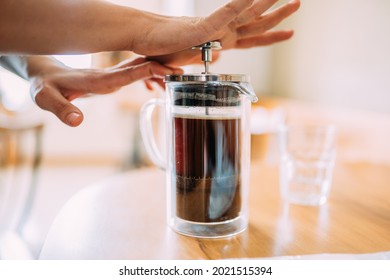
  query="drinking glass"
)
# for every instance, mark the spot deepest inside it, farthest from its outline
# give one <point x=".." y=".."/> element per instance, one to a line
<point x="307" y="163"/>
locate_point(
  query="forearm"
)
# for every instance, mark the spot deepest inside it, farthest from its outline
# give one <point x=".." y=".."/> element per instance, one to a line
<point x="54" y="27"/>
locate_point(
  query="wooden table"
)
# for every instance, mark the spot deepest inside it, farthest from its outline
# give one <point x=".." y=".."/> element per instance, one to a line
<point x="124" y="217"/>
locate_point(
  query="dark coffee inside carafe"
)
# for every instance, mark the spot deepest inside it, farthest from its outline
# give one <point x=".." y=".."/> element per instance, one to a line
<point x="207" y="152"/>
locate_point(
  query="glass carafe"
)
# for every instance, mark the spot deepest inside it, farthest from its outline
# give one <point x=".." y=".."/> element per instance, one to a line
<point x="207" y="152"/>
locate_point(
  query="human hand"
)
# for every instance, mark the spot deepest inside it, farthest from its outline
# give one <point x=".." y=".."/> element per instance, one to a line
<point x="238" y="24"/>
<point x="54" y="90"/>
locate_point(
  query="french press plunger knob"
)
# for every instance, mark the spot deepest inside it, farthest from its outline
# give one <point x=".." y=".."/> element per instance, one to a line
<point x="207" y="55"/>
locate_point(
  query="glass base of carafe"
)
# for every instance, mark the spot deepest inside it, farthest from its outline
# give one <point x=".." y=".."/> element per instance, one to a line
<point x="210" y="230"/>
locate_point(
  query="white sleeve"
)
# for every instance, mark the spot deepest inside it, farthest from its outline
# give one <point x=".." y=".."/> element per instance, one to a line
<point x="15" y="64"/>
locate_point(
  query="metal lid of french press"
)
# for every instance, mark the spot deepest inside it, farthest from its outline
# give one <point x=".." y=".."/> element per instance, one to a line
<point x="235" y="78"/>
<point x="237" y="81"/>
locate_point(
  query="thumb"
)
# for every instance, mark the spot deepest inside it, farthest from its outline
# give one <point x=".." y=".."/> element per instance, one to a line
<point x="50" y="99"/>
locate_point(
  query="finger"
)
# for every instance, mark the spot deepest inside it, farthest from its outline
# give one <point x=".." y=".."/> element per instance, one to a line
<point x="268" y="21"/>
<point x="147" y="70"/>
<point x="149" y="85"/>
<point x="71" y="94"/>
<point x="265" y="39"/>
<point x="159" y="82"/>
<point x="185" y="57"/>
<point x="128" y="62"/>
<point x="258" y="8"/>
<point x="102" y="82"/>
<point x="223" y="16"/>
<point x="181" y="58"/>
<point x="50" y="99"/>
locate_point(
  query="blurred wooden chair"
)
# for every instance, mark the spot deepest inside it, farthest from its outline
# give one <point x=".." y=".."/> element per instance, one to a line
<point x="20" y="158"/>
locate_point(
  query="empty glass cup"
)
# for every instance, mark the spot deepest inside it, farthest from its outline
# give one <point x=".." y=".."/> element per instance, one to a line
<point x="307" y="163"/>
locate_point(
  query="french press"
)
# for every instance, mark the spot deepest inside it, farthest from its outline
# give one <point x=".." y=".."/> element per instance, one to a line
<point x="207" y="149"/>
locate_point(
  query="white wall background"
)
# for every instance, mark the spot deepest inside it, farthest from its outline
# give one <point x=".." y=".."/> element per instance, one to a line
<point x="340" y="54"/>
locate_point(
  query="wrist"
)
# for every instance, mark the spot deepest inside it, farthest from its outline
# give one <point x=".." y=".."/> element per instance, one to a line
<point x="135" y="27"/>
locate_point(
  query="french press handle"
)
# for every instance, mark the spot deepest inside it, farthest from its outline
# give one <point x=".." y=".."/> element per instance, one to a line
<point x="207" y="53"/>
